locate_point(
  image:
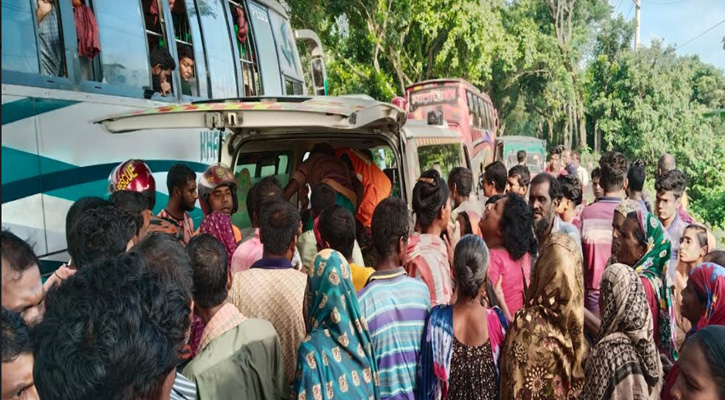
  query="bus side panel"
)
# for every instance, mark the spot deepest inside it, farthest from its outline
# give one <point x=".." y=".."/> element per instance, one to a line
<point x="21" y="200"/>
<point x="73" y="158"/>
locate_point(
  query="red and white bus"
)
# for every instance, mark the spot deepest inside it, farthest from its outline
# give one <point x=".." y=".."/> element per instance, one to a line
<point x="466" y="109"/>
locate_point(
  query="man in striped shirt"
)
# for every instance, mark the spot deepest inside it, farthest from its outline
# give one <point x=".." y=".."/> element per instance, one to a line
<point x="394" y="305"/>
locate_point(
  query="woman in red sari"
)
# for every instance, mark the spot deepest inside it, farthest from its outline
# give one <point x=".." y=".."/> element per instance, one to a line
<point x="703" y="304"/>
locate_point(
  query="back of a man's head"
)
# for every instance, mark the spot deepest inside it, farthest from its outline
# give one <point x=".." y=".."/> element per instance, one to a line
<point x="267" y="190"/>
<point x="337" y="228"/>
<point x="715" y="256"/>
<point x="391" y="221"/>
<point x="521" y="156"/>
<point x="636" y="176"/>
<point x="111" y="332"/>
<point x="81" y="205"/>
<point x="134" y="203"/>
<point x="100" y="233"/>
<point x="167" y="261"/>
<point x="462" y="178"/>
<point x="666" y="163"/>
<point x="210" y="270"/>
<point x="673" y="181"/>
<point x="571" y="188"/>
<point x="278" y="227"/>
<point x="323" y="196"/>
<point x="496" y="174"/>
<point x="161" y="57"/>
<point x="614" y="167"/>
<point x="15" y="336"/>
<point x="17" y="255"/>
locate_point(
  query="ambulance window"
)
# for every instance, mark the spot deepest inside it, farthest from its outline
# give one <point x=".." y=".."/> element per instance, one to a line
<point x="442" y="157"/>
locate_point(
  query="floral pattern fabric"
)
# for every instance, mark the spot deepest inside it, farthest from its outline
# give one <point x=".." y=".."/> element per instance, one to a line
<point x="625" y="363"/>
<point x="336" y="358"/>
<point x="219" y="225"/>
<point x="542" y="356"/>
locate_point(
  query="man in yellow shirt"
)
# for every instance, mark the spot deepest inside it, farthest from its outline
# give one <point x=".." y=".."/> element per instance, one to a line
<point x="337" y="232"/>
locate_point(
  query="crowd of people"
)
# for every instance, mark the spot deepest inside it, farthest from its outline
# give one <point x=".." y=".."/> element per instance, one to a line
<point x="526" y="293"/>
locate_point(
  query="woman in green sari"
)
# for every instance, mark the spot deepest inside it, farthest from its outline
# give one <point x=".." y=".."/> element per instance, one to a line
<point x="336" y="358"/>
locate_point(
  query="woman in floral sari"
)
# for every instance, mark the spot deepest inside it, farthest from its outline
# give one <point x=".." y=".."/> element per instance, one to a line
<point x="625" y="363"/>
<point x="544" y="350"/>
<point x="336" y="358"/>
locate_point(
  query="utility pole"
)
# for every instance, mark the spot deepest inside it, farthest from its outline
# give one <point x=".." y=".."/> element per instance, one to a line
<point x="638" y="5"/>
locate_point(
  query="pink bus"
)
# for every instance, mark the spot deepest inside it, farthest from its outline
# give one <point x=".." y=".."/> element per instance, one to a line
<point x="467" y="111"/>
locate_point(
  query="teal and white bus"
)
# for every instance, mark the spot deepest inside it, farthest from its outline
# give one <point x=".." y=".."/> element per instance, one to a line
<point x="53" y="155"/>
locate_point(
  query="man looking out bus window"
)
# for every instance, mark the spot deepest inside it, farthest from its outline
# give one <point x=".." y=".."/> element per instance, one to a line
<point x="51" y="50"/>
<point x="161" y="66"/>
<point x="186" y="70"/>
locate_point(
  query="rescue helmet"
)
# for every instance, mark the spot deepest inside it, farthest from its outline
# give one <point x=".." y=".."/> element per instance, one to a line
<point x="216" y="175"/>
<point x="134" y="176"/>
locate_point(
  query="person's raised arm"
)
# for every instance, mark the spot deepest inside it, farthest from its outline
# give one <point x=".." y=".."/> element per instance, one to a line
<point x="292" y="187"/>
<point x="591" y="323"/>
<point x="43" y="10"/>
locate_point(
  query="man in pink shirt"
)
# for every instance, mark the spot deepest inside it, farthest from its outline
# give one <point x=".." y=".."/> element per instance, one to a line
<point x="250" y="251"/>
<point x="596" y="225"/>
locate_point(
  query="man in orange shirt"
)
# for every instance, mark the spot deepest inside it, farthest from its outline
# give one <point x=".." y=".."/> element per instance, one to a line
<point x="375" y="184"/>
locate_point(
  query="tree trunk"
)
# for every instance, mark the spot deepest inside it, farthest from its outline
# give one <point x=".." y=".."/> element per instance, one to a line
<point x="597" y="138"/>
<point x="582" y="126"/>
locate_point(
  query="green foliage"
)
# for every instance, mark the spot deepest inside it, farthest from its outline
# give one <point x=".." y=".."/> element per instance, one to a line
<point x="562" y="70"/>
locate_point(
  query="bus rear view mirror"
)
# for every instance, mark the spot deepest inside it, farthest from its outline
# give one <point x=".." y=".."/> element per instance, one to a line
<point x="318" y="76"/>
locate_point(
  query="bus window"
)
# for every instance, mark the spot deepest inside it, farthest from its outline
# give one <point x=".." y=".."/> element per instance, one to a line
<point x="222" y="73"/>
<point x="121" y="29"/>
<point x="267" y="55"/>
<point x="162" y="63"/>
<point x="247" y="53"/>
<point x="19" y="48"/>
<point x="489" y="114"/>
<point x="186" y="60"/>
<point x="287" y="54"/>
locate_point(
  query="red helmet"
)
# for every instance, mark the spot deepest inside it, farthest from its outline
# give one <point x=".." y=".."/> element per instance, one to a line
<point x="134" y="176"/>
<point x="214" y="176"/>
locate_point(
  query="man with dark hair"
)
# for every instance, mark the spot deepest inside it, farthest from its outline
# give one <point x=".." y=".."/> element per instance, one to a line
<point x="394" y="305"/>
<point x="521" y="157"/>
<point x="181" y="183"/>
<point x="666" y="163"/>
<point x="17" y="365"/>
<point x="597" y="190"/>
<point x="596" y="225"/>
<point x="266" y="191"/>
<point x="518" y="180"/>
<point x="119" y="329"/>
<point x="135" y="204"/>
<point x="22" y="288"/>
<point x="100" y="233"/>
<point x="272" y="289"/>
<point x="323" y="167"/>
<point x="635" y="179"/>
<point x="168" y="263"/>
<point x="161" y="66"/>
<point x="544" y="198"/>
<point x="466" y="211"/>
<point x="65" y="271"/>
<point x="670" y="186"/>
<point x="238" y="357"/>
<point x="571" y="190"/>
<point x="323" y="196"/>
<point x="337" y="232"/>
<point x="186" y="70"/>
<point x="555" y="160"/>
<point x="494" y="179"/>
<point x="566" y="161"/>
